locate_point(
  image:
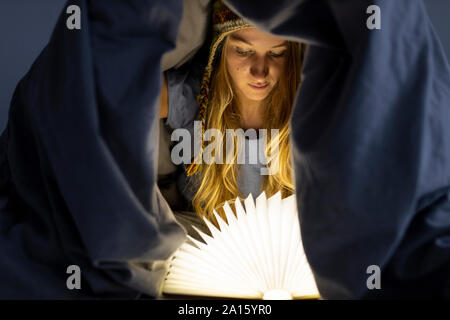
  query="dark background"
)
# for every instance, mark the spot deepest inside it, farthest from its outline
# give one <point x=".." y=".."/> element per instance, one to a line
<point x="26" y="26"/>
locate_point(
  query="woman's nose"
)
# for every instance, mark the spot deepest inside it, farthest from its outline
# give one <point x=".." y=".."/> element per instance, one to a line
<point x="259" y="67"/>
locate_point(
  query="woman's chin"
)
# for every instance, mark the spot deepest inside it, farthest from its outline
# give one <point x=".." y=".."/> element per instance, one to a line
<point x="257" y="97"/>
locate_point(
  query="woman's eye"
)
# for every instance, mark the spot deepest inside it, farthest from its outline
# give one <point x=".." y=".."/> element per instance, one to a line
<point x="277" y="55"/>
<point x="243" y="53"/>
<point x="247" y="53"/>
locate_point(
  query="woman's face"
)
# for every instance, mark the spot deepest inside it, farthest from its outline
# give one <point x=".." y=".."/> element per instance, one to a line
<point x="255" y="61"/>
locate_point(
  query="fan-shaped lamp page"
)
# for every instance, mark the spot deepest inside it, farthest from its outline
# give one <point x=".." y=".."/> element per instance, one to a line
<point x="256" y="254"/>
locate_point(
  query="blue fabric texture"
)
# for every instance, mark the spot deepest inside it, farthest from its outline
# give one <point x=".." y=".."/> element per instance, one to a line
<point x="79" y="159"/>
<point x="370" y="139"/>
<point x="371" y="144"/>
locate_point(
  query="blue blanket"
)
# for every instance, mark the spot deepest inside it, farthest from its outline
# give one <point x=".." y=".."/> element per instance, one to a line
<point x="371" y="151"/>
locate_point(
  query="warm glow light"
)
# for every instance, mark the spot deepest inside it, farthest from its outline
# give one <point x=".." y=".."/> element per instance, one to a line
<point x="257" y="252"/>
<point x="277" y="294"/>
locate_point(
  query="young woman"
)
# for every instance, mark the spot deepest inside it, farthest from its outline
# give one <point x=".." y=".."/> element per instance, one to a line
<point x="249" y="82"/>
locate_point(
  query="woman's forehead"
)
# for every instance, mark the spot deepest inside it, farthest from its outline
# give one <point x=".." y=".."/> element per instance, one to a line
<point x="254" y="36"/>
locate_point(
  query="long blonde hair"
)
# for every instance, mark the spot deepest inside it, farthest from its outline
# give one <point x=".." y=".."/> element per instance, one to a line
<point x="217" y="183"/>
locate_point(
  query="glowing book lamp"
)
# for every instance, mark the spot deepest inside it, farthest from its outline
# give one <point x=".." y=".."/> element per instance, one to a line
<point x="258" y="254"/>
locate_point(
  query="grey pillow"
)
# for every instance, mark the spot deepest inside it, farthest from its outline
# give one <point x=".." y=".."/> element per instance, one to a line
<point x="191" y="33"/>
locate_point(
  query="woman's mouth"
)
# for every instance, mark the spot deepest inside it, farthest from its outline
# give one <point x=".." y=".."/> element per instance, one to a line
<point x="258" y="87"/>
